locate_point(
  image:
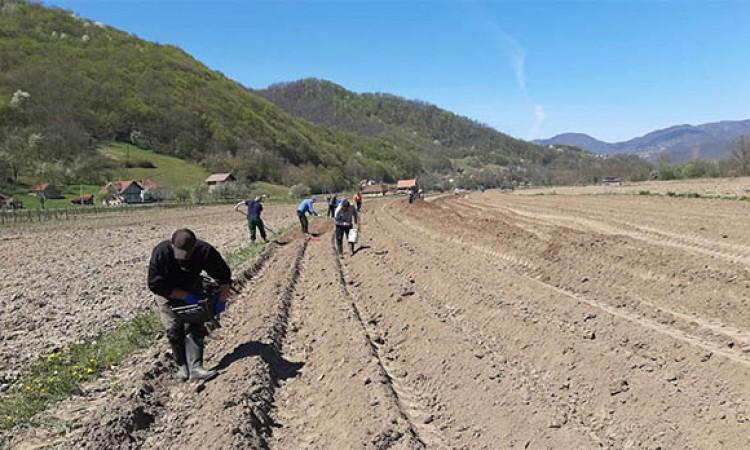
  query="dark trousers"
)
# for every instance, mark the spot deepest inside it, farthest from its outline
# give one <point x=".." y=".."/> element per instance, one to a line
<point x="331" y="211"/>
<point x="341" y="231"/>
<point x="177" y="331"/>
<point x="252" y="224"/>
<point x="303" y="221"/>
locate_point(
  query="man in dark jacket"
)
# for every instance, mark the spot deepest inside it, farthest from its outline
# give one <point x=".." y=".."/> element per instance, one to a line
<point x="346" y="216"/>
<point x="332" y="204"/>
<point x="174" y="275"/>
<point x="254" y="209"/>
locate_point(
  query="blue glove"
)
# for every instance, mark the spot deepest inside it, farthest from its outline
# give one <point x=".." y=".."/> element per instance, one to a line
<point x="192" y="298"/>
<point x="219" y="306"/>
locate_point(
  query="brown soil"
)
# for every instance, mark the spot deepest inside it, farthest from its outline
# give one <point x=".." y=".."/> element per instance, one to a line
<point x="65" y="281"/>
<point x="484" y="322"/>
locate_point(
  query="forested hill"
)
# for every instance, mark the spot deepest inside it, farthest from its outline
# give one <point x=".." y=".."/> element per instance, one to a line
<point x="447" y="141"/>
<point x="432" y="129"/>
<point x="67" y="84"/>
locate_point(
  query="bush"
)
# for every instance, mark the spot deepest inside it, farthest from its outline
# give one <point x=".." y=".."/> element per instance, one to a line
<point x="140" y="164"/>
<point x="299" y="191"/>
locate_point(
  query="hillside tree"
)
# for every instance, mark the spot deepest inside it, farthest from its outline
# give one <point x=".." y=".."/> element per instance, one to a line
<point x="741" y="154"/>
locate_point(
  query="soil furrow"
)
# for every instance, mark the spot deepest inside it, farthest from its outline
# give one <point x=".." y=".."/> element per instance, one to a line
<point x="343" y="397"/>
<point x="640" y="356"/>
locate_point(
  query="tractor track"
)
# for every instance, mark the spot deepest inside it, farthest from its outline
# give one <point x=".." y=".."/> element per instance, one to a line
<point x="444" y="309"/>
<point x="522" y="267"/>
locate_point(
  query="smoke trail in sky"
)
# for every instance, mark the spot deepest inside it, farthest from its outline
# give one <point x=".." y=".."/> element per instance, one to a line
<point x="517" y="60"/>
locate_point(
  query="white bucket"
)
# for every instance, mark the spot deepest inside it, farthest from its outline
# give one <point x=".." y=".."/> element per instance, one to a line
<point x="353" y="236"/>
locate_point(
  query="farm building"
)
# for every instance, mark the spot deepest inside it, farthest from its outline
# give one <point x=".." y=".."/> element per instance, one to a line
<point x="219" y="179"/>
<point x="126" y="191"/>
<point x="405" y="186"/>
<point x="374" y="190"/>
<point x="46" y="190"/>
<point x="85" y="199"/>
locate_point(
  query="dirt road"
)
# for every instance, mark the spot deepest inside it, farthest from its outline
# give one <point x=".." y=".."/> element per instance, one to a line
<point x="485" y="322"/>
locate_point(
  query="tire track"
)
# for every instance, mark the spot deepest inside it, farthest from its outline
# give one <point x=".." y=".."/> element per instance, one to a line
<point x="489" y="346"/>
<point x="522" y="267"/>
<point x="732" y="252"/>
<point x="722" y="331"/>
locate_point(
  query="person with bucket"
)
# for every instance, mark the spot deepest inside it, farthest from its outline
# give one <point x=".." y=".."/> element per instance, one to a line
<point x="346" y="217"/>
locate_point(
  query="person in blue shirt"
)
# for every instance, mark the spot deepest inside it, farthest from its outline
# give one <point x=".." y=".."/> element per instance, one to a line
<point x="306" y="207"/>
<point x="254" y="209"/>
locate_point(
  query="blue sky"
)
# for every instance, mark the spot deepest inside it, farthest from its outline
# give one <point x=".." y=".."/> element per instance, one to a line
<point x="614" y="70"/>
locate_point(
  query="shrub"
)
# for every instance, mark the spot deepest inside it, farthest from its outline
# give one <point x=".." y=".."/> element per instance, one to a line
<point x="299" y="191"/>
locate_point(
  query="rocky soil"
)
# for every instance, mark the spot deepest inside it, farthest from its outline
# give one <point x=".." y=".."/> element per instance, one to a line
<point x="477" y="322"/>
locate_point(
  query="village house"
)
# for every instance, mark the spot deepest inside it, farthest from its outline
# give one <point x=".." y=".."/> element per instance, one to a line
<point x="9" y="203"/>
<point x="126" y="191"/>
<point x="219" y="179"/>
<point x="46" y="190"/>
<point x="406" y="186"/>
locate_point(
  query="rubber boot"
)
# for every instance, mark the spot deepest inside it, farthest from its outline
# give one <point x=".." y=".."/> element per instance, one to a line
<point x="194" y="351"/>
<point x="178" y="350"/>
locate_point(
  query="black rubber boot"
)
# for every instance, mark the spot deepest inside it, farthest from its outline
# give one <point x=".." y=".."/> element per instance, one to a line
<point x="178" y="352"/>
<point x="194" y="351"/>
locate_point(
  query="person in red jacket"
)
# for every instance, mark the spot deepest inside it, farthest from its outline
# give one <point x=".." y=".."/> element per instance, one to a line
<point x="358" y="200"/>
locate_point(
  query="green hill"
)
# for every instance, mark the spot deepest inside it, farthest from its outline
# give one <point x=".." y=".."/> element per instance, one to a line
<point x="136" y="164"/>
<point x="433" y="130"/>
<point x="445" y="141"/>
<point x="68" y="84"/>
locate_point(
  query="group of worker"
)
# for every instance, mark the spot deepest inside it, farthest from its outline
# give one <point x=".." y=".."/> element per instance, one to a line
<point x="174" y="276"/>
<point x="342" y="211"/>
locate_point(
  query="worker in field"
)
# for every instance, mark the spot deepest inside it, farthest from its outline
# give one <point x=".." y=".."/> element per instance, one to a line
<point x="357" y="198"/>
<point x="332" y="203"/>
<point x="346" y="217"/>
<point x="306" y="207"/>
<point x="254" y="209"/>
<point x="174" y="275"/>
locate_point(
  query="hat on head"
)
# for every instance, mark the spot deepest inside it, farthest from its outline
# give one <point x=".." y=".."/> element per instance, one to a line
<point x="345" y="203"/>
<point x="314" y="197"/>
<point x="183" y="242"/>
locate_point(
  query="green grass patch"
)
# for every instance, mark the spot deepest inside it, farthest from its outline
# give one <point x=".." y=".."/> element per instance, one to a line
<point x="59" y="375"/>
<point x="167" y="171"/>
<point x="644" y="192"/>
<point x="69" y="192"/>
<point x="276" y="193"/>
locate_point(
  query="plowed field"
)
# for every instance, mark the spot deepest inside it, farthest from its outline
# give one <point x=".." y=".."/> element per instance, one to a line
<point x="480" y="322"/>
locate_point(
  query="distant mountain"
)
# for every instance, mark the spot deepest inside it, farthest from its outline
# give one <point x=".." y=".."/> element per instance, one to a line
<point x="445" y="141"/>
<point x="440" y="134"/>
<point x="682" y="142"/>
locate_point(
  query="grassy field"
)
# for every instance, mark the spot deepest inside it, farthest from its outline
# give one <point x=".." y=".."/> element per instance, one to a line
<point x="69" y="192"/>
<point x="168" y="171"/>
